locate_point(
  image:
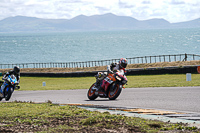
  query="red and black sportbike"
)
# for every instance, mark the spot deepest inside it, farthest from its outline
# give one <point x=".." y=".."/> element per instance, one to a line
<point x="111" y="86"/>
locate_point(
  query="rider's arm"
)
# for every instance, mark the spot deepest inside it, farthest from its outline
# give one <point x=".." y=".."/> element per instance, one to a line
<point x="109" y="69"/>
<point x="18" y="78"/>
<point x="5" y="75"/>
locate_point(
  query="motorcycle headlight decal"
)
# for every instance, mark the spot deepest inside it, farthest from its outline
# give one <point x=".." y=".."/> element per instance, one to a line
<point x="124" y="82"/>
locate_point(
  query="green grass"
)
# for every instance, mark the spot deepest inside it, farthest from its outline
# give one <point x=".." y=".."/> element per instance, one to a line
<point x="53" y="118"/>
<point x="168" y="80"/>
<point x="47" y="117"/>
<point x="36" y="83"/>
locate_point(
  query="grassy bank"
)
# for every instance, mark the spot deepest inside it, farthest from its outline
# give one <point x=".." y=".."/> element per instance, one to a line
<point x="30" y="117"/>
<point x="100" y="68"/>
<point x="171" y="80"/>
<point x="35" y="83"/>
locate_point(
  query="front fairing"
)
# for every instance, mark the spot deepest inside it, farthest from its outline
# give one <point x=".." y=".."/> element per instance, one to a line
<point x="11" y="88"/>
<point x="10" y="83"/>
<point x="11" y="80"/>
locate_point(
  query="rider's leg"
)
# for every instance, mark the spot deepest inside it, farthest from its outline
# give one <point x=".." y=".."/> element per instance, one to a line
<point x="102" y="87"/>
<point x="2" y="88"/>
<point x="99" y="77"/>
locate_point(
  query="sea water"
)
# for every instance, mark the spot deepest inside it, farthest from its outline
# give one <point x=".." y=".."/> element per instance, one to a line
<point x="95" y="45"/>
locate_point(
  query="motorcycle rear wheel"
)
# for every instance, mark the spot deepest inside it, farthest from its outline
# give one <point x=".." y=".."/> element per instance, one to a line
<point x="114" y="93"/>
<point x="91" y="93"/>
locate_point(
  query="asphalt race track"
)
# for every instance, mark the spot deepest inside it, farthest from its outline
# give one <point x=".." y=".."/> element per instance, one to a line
<point x="184" y="99"/>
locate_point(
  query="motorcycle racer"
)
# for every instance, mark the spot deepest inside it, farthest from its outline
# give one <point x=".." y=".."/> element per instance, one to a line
<point x="16" y="72"/>
<point x="118" y="66"/>
<point x="121" y="65"/>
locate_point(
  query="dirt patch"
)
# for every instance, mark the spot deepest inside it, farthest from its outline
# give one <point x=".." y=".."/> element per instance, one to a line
<point x="71" y="125"/>
<point x="130" y="66"/>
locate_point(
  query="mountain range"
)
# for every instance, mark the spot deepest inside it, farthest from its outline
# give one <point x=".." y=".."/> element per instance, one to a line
<point x="89" y="23"/>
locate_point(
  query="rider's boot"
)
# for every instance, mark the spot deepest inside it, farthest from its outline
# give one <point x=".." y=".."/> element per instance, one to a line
<point x="97" y="84"/>
<point x="99" y="77"/>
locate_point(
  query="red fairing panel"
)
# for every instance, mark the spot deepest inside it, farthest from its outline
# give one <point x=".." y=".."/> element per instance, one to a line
<point x="105" y="85"/>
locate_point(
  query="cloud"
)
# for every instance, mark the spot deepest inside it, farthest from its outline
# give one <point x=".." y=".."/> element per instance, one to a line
<point x="183" y="10"/>
<point x="146" y="2"/>
<point x="171" y="10"/>
<point x="177" y="2"/>
<point x="125" y="5"/>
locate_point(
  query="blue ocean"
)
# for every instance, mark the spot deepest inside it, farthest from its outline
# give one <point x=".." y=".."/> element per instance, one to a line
<point x="96" y="45"/>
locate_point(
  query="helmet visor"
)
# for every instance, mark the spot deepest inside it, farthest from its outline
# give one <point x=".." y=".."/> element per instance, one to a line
<point x="16" y="70"/>
<point x="124" y="65"/>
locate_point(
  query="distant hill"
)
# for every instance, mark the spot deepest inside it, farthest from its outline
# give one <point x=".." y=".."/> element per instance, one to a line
<point x="189" y="24"/>
<point x="88" y="23"/>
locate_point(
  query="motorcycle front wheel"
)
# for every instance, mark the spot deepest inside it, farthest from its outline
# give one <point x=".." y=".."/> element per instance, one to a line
<point x="91" y="93"/>
<point x="113" y="93"/>
<point x="8" y="94"/>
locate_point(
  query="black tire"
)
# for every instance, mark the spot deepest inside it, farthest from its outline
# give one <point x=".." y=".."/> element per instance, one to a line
<point x="8" y="94"/>
<point x="91" y="93"/>
<point x="1" y="98"/>
<point x="114" y="93"/>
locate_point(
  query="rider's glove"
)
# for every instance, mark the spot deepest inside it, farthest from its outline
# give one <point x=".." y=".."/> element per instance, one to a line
<point x="17" y="87"/>
<point x="124" y="81"/>
<point x="114" y="71"/>
<point x="113" y="65"/>
<point x="17" y="82"/>
<point x="110" y="71"/>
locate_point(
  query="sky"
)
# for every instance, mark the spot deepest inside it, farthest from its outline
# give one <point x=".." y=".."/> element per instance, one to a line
<point x="171" y="10"/>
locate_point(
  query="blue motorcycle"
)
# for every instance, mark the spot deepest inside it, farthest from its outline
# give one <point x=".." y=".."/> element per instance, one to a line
<point x="10" y="84"/>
